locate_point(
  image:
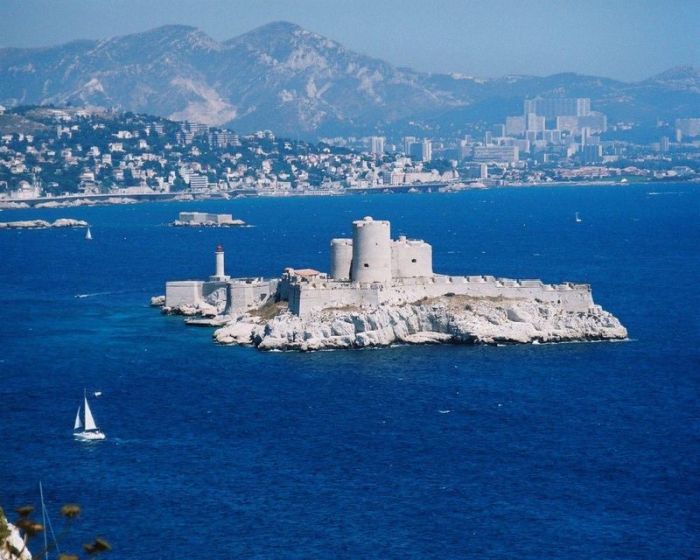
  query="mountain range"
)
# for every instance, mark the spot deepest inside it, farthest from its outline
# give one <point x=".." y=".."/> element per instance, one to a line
<point x="298" y="83"/>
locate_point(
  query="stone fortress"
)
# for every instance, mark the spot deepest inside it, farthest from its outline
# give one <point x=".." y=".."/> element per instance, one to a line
<point x="368" y="271"/>
<point x="381" y="292"/>
<point x="204" y="219"/>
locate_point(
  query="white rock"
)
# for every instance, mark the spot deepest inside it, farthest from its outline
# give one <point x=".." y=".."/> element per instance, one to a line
<point x="15" y="541"/>
<point x="69" y="222"/>
<point x="483" y="321"/>
<point x="43" y="224"/>
<point x="236" y="332"/>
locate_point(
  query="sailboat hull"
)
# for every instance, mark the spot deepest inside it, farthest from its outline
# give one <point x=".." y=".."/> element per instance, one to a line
<point x="87" y="430"/>
<point x="89" y="436"/>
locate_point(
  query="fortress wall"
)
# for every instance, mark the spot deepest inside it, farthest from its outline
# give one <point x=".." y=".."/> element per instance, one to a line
<point x="203" y="217"/>
<point x="371" y="251"/>
<point x="305" y="299"/>
<point x="185" y="292"/>
<point x="187" y="216"/>
<point x="308" y="297"/>
<point x="574" y="297"/>
<point x="250" y="293"/>
<point x="411" y="258"/>
<point x="215" y="293"/>
<point x="193" y="292"/>
<point x="341" y="259"/>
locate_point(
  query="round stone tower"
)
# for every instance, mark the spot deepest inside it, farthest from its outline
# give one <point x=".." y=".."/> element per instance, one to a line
<point x="341" y="258"/>
<point x="371" y="251"/>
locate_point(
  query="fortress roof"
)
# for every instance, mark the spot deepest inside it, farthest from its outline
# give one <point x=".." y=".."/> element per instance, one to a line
<point x="305" y="272"/>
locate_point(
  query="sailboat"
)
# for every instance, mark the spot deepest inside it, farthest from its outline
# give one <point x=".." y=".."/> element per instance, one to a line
<point x="87" y="430"/>
<point x="578" y="218"/>
<point x="88" y="234"/>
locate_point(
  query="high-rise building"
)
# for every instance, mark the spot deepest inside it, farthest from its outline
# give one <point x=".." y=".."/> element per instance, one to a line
<point x="552" y="107"/>
<point x="534" y="123"/>
<point x="515" y="126"/>
<point x="407" y="142"/>
<point x="595" y="122"/>
<point x="197" y="129"/>
<point x="689" y="127"/>
<point x="585" y="134"/>
<point x="476" y="171"/>
<point x="464" y="150"/>
<point x="222" y="138"/>
<point x="591" y="153"/>
<point x="427" y="150"/>
<point x="497" y="154"/>
<point x="421" y="151"/>
<point x="377" y="145"/>
<point x="198" y="182"/>
<point x="664" y="144"/>
<point x="552" y="136"/>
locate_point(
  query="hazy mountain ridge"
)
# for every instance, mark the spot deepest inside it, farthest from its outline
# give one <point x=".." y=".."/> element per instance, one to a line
<point x="296" y="82"/>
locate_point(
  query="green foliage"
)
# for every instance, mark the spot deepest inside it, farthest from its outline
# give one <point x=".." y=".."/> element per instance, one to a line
<point x="4" y="529"/>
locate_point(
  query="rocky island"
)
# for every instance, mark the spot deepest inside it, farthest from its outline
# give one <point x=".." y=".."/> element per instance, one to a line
<point x="43" y="224"/>
<point x="382" y="292"/>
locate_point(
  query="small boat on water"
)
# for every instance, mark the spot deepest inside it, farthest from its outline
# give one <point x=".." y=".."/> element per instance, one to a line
<point x="85" y="427"/>
<point x="88" y="233"/>
<point x="578" y="218"/>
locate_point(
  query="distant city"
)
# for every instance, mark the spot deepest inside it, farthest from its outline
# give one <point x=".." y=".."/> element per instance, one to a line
<point x="49" y="153"/>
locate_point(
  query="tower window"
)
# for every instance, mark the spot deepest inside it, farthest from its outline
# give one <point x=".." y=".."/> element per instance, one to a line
<point x="366" y="265"/>
<point x="413" y="260"/>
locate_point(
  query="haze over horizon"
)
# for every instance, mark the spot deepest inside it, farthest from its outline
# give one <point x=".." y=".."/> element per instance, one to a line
<point x="609" y="39"/>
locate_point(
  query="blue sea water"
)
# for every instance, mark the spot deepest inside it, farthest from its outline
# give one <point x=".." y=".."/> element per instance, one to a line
<point x="551" y="451"/>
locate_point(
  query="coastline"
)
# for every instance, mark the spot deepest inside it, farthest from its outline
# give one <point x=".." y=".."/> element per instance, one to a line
<point x="77" y="200"/>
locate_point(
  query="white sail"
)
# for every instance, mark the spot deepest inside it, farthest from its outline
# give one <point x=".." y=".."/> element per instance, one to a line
<point x="89" y="420"/>
<point x="78" y="423"/>
<point x="88" y="234"/>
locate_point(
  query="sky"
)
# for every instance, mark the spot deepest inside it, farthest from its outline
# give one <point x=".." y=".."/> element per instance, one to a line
<point x="622" y="39"/>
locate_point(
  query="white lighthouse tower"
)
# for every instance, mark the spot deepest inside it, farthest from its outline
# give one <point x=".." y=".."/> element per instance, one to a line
<point x="219" y="276"/>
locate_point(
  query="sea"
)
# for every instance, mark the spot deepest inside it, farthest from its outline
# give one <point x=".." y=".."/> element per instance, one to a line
<point x="583" y="450"/>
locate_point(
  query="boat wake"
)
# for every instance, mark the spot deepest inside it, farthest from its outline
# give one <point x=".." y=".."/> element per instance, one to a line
<point x="96" y="294"/>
